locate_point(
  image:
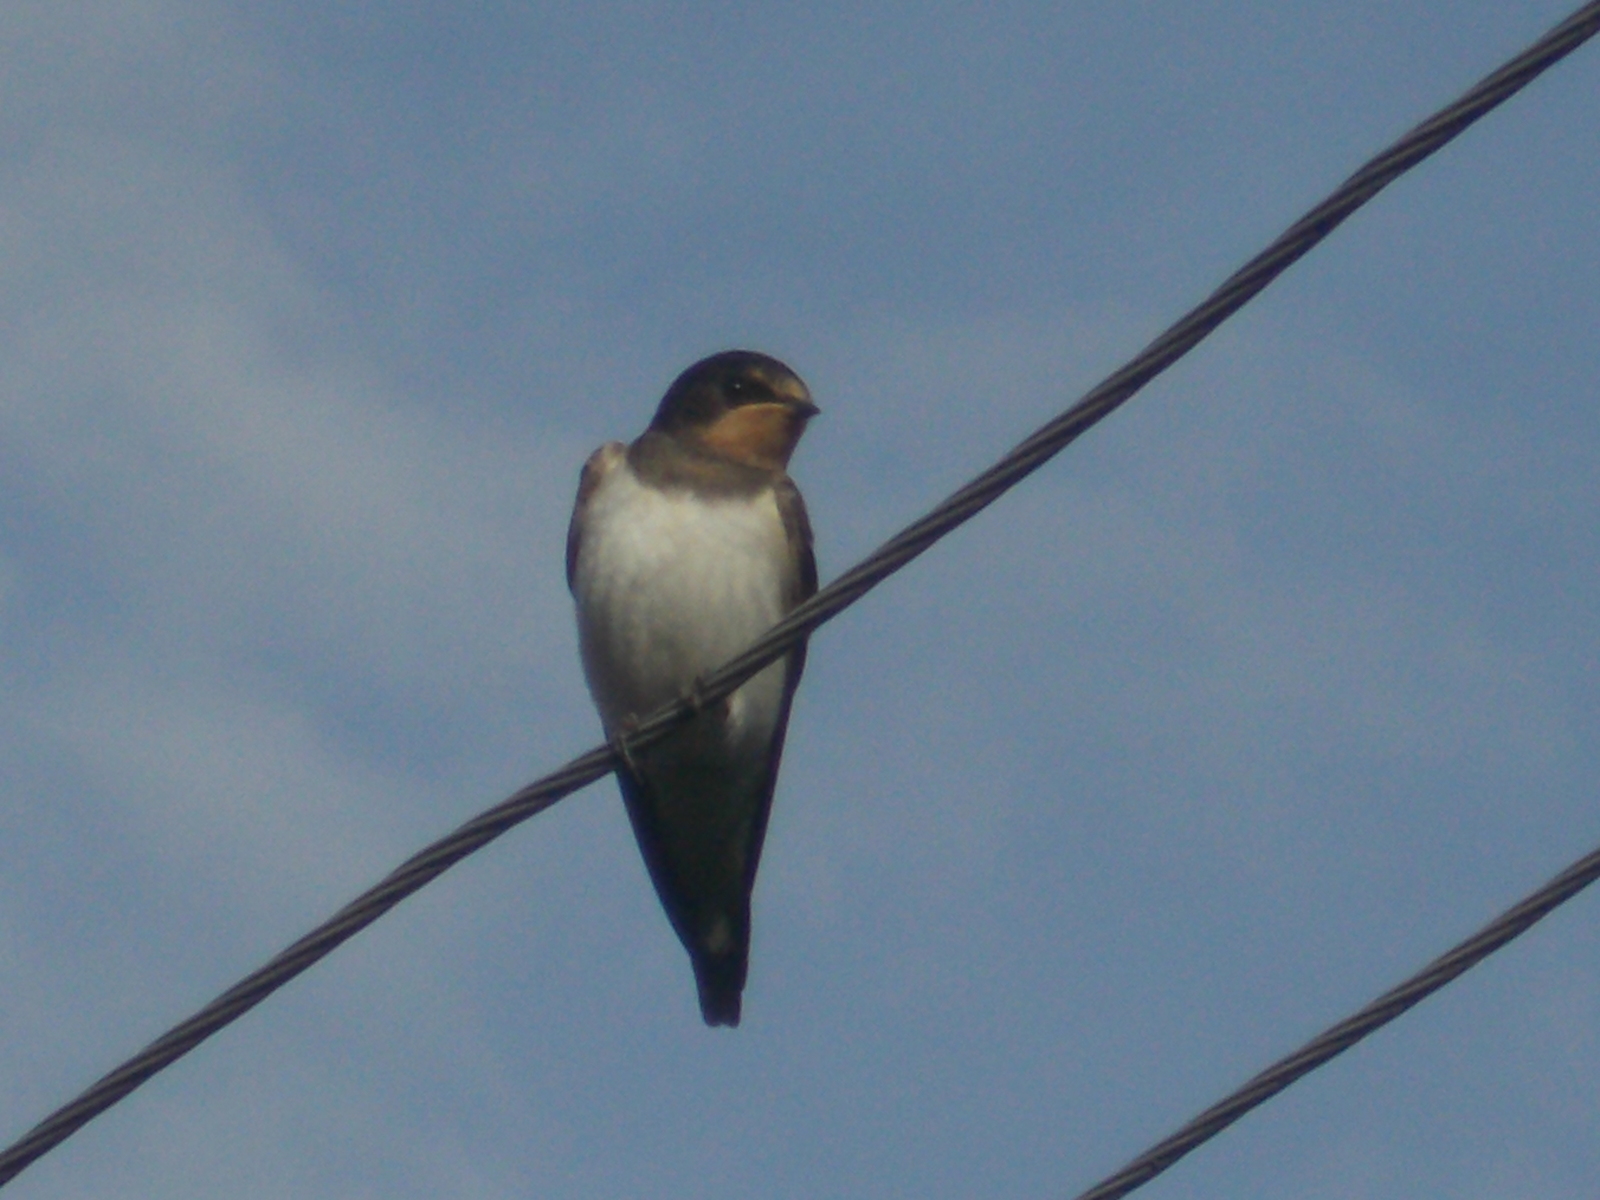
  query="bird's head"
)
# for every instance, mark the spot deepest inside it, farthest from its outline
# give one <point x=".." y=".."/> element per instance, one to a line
<point x="740" y="405"/>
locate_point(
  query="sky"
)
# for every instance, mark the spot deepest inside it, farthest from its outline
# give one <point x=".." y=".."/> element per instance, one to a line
<point x="1274" y="686"/>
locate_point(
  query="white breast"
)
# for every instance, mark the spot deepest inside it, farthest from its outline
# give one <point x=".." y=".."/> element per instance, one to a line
<point x="669" y="587"/>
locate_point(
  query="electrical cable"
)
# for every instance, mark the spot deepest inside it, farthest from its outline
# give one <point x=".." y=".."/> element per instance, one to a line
<point x="1027" y="457"/>
<point x="1336" y="1039"/>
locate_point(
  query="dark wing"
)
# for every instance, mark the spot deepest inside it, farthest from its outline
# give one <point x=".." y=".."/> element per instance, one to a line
<point x="719" y="974"/>
<point x="597" y="468"/>
<point x="797" y="526"/>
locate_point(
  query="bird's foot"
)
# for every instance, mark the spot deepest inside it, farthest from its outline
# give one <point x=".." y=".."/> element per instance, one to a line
<point x="625" y="729"/>
<point x="695" y="697"/>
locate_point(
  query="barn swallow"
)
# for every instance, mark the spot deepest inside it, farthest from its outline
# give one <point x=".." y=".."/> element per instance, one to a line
<point x="685" y="546"/>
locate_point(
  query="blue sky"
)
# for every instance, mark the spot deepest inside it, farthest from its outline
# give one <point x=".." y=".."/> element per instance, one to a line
<point x="1273" y="687"/>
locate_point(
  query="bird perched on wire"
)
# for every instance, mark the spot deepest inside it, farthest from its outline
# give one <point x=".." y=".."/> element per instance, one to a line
<point x="685" y="546"/>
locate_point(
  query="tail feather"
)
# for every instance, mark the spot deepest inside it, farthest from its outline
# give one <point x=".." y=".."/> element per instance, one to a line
<point x="721" y="982"/>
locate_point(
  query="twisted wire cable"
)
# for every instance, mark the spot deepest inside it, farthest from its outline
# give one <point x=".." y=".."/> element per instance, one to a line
<point x="1027" y="457"/>
<point x="1336" y="1039"/>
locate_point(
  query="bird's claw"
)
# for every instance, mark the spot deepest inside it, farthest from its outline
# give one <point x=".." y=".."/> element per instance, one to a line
<point x="695" y="698"/>
<point x="625" y="729"/>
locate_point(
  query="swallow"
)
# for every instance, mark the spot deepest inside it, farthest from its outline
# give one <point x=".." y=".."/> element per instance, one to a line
<point x="685" y="546"/>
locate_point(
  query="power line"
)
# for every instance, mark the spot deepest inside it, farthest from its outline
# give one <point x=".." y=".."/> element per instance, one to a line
<point x="1336" y="1039"/>
<point x="966" y="503"/>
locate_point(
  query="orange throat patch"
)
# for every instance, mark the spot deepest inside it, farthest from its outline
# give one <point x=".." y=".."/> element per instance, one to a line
<point x="762" y="435"/>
